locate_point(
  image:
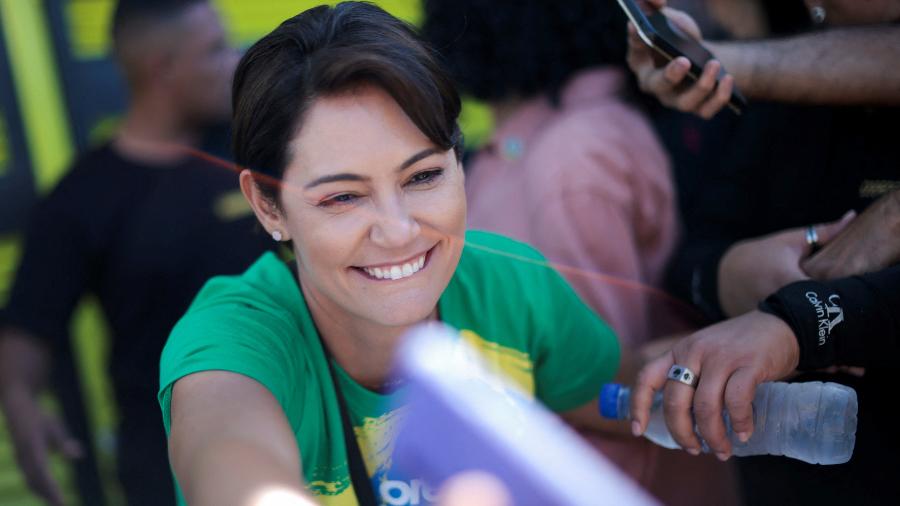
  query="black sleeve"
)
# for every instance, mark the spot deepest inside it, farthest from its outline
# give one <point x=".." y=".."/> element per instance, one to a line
<point x="693" y="275"/>
<point x="54" y="267"/>
<point x="721" y="200"/>
<point x="850" y="321"/>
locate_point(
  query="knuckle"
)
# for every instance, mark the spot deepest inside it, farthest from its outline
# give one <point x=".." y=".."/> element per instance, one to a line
<point x="672" y="405"/>
<point x="685" y="103"/>
<point x="735" y="397"/>
<point x="705" y="409"/>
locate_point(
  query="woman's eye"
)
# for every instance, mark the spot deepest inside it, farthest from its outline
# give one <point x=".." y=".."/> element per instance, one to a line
<point x="425" y="177"/>
<point x="337" y="200"/>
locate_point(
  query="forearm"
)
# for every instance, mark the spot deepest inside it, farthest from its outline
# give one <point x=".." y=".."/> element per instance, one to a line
<point x="844" y="66"/>
<point x="239" y="473"/>
<point x="24" y="362"/>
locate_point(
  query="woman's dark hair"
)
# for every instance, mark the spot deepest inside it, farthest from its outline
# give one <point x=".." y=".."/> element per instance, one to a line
<point x="326" y="51"/>
<point x="498" y="49"/>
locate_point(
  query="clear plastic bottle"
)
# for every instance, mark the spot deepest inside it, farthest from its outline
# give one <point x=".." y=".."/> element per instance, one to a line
<point x="814" y="422"/>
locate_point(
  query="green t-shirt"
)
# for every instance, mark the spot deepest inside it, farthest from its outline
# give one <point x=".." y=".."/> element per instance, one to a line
<point x="524" y="318"/>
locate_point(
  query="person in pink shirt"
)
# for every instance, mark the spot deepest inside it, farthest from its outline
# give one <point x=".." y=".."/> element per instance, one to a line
<point x="575" y="169"/>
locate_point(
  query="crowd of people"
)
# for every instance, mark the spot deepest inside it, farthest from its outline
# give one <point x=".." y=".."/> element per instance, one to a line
<point x="620" y="222"/>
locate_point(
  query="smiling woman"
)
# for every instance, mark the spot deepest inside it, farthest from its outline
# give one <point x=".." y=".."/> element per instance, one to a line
<point x="346" y="125"/>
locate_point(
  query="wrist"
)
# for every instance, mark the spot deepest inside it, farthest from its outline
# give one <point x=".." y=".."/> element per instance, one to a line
<point x="735" y="63"/>
<point x="780" y="329"/>
<point x="814" y="314"/>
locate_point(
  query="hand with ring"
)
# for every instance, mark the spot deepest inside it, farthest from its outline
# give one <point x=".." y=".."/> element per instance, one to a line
<point x="870" y="242"/>
<point x="752" y="269"/>
<point x="713" y="369"/>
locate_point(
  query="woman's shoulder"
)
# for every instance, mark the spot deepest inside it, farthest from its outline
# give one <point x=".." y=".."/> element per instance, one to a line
<point x="487" y="247"/>
<point x="235" y="320"/>
<point x="266" y="282"/>
<point x="250" y="324"/>
<point x="488" y="255"/>
<point x="498" y="266"/>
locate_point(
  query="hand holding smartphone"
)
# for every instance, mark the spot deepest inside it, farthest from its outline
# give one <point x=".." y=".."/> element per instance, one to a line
<point x="669" y="41"/>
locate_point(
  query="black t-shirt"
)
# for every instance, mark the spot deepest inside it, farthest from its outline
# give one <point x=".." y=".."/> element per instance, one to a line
<point x="143" y="239"/>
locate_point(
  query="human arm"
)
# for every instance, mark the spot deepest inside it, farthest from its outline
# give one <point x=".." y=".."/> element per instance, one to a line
<point x="230" y="442"/>
<point x="861" y="328"/>
<point x="50" y="279"/>
<point x="24" y="370"/>
<point x="751" y="269"/>
<point x="838" y="66"/>
<point x="869" y="243"/>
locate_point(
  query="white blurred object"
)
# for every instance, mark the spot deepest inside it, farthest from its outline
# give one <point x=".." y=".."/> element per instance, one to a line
<point x="462" y="417"/>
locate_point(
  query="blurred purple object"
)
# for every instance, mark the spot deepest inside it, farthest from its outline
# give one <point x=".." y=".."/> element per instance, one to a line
<point x="462" y="417"/>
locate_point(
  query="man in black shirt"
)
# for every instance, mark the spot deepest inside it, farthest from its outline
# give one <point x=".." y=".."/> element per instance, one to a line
<point x="141" y="224"/>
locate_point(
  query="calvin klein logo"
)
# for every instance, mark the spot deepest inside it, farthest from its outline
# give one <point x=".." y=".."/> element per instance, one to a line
<point x="828" y="314"/>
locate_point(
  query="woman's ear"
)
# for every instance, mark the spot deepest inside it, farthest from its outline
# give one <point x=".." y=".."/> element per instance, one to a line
<point x="266" y="211"/>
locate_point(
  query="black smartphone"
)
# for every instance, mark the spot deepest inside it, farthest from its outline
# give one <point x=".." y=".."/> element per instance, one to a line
<point x="671" y="42"/>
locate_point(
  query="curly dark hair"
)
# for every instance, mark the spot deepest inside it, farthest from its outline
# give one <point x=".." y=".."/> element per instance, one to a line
<point x="518" y="48"/>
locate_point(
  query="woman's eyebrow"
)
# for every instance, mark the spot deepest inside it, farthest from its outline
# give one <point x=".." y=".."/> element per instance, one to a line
<point x="348" y="176"/>
<point x="425" y="153"/>
<point x="331" y="178"/>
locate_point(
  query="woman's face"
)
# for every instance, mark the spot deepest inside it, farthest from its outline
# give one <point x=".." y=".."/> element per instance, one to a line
<point x="376" y="211"/>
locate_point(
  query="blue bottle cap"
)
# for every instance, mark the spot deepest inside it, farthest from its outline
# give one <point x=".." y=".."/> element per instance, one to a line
<point x="609" y="401"/>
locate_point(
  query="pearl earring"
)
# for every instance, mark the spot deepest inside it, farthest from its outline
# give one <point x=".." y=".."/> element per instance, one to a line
<point x="817" y="13"/>
<point x="277" y="235"/>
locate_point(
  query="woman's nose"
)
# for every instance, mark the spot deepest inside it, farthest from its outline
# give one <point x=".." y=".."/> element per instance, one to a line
<point x="395" y="227"/>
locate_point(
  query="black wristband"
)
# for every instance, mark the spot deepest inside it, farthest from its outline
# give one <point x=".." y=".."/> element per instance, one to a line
<point x="815" y="313"/>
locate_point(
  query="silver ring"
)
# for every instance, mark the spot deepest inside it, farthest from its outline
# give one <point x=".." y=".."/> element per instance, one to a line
<point x="682" y="374"/>
<point x="812" y="237"/>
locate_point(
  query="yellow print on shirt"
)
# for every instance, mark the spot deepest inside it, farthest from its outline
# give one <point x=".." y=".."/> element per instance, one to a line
<point x="515" y="365"/>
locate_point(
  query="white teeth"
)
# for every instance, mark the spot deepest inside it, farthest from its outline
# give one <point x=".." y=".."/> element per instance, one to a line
<point x="396" y="271"/>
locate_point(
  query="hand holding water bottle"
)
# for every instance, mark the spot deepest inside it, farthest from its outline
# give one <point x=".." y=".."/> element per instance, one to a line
<point x="719" y="368"/>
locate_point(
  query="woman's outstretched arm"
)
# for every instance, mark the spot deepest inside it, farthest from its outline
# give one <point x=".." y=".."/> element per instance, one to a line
<point x="231" y="444"/>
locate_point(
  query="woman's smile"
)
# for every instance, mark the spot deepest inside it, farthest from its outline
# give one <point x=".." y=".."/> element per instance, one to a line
<point x="392" y="271"/>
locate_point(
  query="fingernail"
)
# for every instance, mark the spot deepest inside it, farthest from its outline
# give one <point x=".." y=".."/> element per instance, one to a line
<point x="693" y="451"/>
<point x="743" y="436"/>
<point x="722" y="456"/>
<point x="636" y="428"/>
